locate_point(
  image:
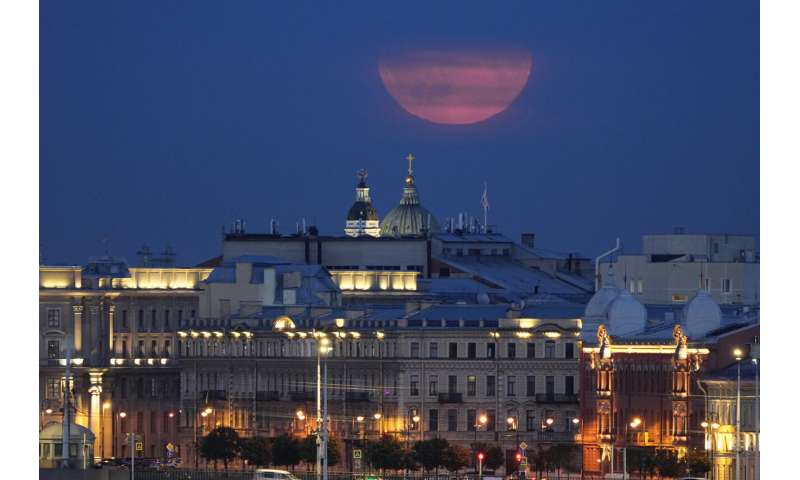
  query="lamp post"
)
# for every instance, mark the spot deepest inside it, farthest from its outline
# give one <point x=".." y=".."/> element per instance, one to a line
<point x="377" y="416"/>
<point x="738" y="354"/>
<point x="119" y="416"/>
<point x="634" y="424"/>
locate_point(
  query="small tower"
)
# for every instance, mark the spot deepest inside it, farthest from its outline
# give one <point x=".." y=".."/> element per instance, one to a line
<point x="362" y="219"/>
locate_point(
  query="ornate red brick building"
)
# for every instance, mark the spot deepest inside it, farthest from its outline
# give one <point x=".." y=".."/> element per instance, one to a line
<point x="637" y="392"/>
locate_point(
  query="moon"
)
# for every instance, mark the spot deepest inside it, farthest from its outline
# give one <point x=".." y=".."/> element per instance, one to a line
<point x="455" y="86"/>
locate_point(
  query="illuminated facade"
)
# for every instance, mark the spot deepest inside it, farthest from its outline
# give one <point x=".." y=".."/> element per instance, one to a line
<point x="638" y="393"/>
<point x="119" y="324"/>
<point x="446" y="366"/>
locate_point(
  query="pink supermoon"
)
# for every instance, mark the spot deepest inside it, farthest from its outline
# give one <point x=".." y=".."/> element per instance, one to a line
<point x="456" y="87"/>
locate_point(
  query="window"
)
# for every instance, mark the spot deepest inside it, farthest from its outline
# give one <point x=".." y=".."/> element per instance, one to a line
<point x="433" y="420"/>
<point x="472" y="422"/>
<point x="491" y="349"/>
<point x="452" y="351"/>
<point x="452" y="384"/>
<point x="531" y="347"/>
<point x="530" y="420"/>
<point x="167" y="348"/>
<point x="53" y="390"/>
<point x="53" y="317"/>
<point x="414" y="268"/>
<point x="53" y="349"/>
<point x="154" y="348"/>
<point x="433" y="350"/>
<point x="414" y="349"/>
<point x="153" y="426"/>
<point x="471" y="385"/>
<point x="569" y="385"/>
<point x="444" y="272"/>
<point x="452" y="420"/>
<point x="726" y="285"/>
<point x="471" y="350"/>
<point x="490" y="385"/>
<point x="459" y="252"/>
<point x="153" y="320"/>
<point x="511" y="382"/>
<point x="530" y="386"/>
<point x="433" y="385"/>
<point x="139" y="422"/>
<point x="549" y="349"/>
<point x="140" y="349"/>
<point x="140" y="321"/>
<point x="550" y="385"/>
<point x="123" y="388"/>
<point x="139" y="389"/>
<point x="414" y="385"/>
<point x="490" y="424"/>
<point x="125" y="320"/>
<point x="569" y="350"/>
<point x="123" y="349"/>
<point x="180" y="318"/>
<point x="512" y="350"/>
<point x="166" y="320"/>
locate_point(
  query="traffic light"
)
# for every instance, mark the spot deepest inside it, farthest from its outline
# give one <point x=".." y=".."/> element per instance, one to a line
<point x="480" y="456"/>
<point x="518" y="456"/>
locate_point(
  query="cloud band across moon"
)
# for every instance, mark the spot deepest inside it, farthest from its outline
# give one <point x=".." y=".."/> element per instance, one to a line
<point x="456" y="87"/>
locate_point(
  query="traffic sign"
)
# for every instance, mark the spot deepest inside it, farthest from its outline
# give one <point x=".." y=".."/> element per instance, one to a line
<point x="139" y="446"/>
<point x="523" y="462"/>
<point x="523" y="446"/>
<point x="357" y="453"/>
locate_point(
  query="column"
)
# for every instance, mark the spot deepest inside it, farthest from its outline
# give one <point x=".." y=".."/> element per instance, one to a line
<point x="77" y="320"/>
<point x="95" y="411"/>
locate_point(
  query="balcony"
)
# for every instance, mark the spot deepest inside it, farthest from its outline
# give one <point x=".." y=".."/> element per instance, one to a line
<point x="556" y="398"/>
<point x="453" y="397"/>
<point x="556" y="437"/>
<point x="356" y="396"/>
<point x="211" y="395"/>
<point x="303" y="396"/>
<point x="268" y="396"/>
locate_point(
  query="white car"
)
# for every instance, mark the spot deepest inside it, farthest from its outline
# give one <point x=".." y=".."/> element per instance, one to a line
<point x="271" y="474"/>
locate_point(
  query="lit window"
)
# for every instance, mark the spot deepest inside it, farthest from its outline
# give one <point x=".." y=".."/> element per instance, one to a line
<point x="53" y="317"/>
<point x="53" y="349"/>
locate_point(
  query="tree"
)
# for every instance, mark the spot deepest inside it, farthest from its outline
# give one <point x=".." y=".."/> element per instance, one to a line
<point x="562" y="457"/>
<point x="455" y="458"/>
<point x="430" y="454"/>
<point x="307" y="449"/>
<point x="666" y="461"/>
<point x="222" y="443"/>
<point x="334" y="451"/>
<point x="384" y="454"/>
<point x="641" y="460"/>
<point x="493" y="455"/>
<point x="257" y="451"/>
<point x="697" y="462"/>
<point x="285" y="451"/>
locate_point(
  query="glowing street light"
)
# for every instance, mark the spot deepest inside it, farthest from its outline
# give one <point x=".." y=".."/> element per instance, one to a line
<point x="48" y="411"/>
<point x="483" y="419"/>
<point x="549" y="421"/>
<point x="122" y="414"/>
<point x="360" y="418"/>
<point x="576" y="420"/>
<point x="171" y="414"/>
<point x="415" y="419"/>
<point x="377" y="416"/>
<point x="300" y="415"/>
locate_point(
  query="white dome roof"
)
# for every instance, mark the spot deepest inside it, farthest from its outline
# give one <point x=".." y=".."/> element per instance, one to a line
<point x="626" y="315"/>
<point x="701" y="315"/>
<point x="55" y="431"/>
<point x="598" y="305"/>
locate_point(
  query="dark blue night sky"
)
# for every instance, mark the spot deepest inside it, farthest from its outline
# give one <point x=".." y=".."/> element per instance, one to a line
<point x="162" y="121"/>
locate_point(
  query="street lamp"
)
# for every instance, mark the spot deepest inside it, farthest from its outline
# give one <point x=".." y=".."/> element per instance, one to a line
<point x="634" y="424"/>
<point x="738" y="354"/>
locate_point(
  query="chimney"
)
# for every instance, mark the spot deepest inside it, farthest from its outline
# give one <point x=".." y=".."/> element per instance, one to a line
<point x="528" y="239"/>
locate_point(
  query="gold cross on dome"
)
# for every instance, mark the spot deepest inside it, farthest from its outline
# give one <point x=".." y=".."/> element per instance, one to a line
<point x="410" y="159"/>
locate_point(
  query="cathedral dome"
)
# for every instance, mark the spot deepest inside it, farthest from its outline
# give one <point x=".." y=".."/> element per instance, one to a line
<point x="410" y="217"/>
<point x="626" y="315"/>
<point x="701" y="315"/>
<point x="598" y="305"/>
<point x="362" y="219"/>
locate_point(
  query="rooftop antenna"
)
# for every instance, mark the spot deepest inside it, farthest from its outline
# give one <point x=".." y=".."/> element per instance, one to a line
<point x="168" y="256"/>
<point x="305" y="230"/>
<point x="145" y="254"/>
<point x="485" y="206"/>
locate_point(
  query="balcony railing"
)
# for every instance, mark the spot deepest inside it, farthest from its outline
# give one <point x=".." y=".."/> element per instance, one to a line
<point x="268" y="396"/>
<point x="303" y="396"/>
<point x="452" y="397"/>
<point x="556" y="437"/>
<point x="214" y="395"/>
<point x="556" y="398"/>
<point x="357" y="396"/>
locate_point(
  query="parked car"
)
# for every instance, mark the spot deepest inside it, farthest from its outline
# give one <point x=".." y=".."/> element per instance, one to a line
<point x="272" y="474"/>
